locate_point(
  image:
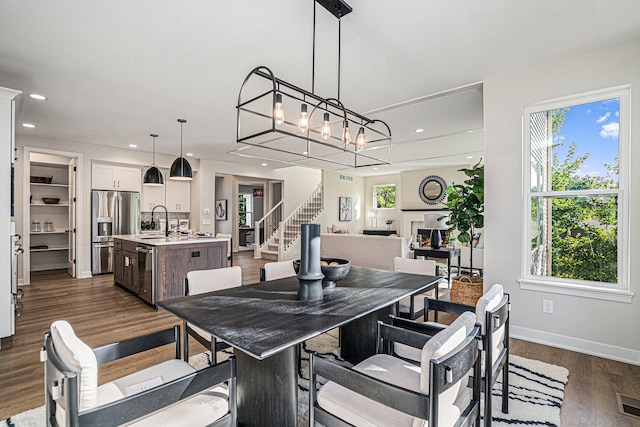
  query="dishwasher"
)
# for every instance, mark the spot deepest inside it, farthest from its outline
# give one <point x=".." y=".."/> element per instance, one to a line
<point x="146" y="272"/>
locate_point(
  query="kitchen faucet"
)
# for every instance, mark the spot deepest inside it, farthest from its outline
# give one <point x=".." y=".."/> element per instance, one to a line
<point x="166" y="223"/>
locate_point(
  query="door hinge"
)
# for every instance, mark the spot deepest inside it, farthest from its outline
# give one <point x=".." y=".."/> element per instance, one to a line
<point x="74" y="200"/>
<point x="74" y="261"/>
<point x="74" y="169"/>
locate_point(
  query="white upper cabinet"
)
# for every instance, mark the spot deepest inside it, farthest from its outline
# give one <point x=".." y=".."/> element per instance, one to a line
<point x="110" y="177"/>
<point x="152" y="195"/>
<point x="178" y="195"/>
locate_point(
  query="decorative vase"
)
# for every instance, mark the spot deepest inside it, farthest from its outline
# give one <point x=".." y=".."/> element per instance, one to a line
<point x="310" y="275"/>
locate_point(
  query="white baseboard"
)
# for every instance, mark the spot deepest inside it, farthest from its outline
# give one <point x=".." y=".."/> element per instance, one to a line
<point x="592" y="348"/>
<point x="85" y="275"/>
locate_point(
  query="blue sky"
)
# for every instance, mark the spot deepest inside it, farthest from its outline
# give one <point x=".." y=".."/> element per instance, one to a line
<point x="594" y="129"/>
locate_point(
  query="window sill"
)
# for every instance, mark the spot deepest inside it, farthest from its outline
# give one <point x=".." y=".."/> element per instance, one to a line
<point x="617" y="295"/>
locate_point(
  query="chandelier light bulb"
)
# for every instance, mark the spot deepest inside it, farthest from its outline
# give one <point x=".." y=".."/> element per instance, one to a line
<point x="326" y="130"/>
<point x="303" y="122"/>
<point x="361" y="139"/>
<point x="346" y="135"/>
<point x="278" y="111"/>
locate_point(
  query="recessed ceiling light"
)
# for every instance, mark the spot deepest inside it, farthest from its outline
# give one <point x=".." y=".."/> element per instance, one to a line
<point x="29" y="125"/>
<point x="264" y="164"/>
<point x="38" y="96"/>
<point x="418" y="130"/>
<point x="189" y="154"/>
<point x="133" y="146"/>
<point x="469" y="157"/>
<point x="305" y="152"/>
<point x="469" y="131"/>
<point x="375" y="169"/>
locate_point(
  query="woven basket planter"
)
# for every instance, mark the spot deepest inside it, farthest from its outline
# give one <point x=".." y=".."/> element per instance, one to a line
<point x="466" y="289"/>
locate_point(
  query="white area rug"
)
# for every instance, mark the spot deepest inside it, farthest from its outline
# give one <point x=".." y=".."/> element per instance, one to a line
<point x="536" y="389"/>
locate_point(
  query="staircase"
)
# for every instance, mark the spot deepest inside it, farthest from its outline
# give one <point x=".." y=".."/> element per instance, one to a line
<point x="280" y="235"/>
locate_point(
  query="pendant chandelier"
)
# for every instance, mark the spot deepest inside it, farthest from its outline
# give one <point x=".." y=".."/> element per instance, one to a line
<point x="153" y="176"/>
<point x="180" y="168"/>
<point x="320" y="130"/>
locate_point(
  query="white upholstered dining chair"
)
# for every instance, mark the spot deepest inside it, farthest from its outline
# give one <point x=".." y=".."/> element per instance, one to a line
<point x="412" y="307"/>
<point x="171" y="393"/>
<point x="384" y="390"/>
<point x="277" y="270"/>
<point x="492" y="314"/>
<point x="229" y="248"/>
<point x="199" y="282"/>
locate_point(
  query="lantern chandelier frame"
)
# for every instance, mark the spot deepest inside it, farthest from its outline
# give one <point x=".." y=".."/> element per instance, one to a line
<point x="264" y="110"/>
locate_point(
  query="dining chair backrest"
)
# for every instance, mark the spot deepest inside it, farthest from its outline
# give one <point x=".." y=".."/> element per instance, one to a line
<point x="453" y="394"/>
<point x="278" y="270"/>
<point x="493" y="325"/>
<point x="200" y="281"/>
<point x="228" y="237"/>
<point x="415" y="266"/>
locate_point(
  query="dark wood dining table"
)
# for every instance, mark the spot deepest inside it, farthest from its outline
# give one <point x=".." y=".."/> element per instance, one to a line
<point x="265" y="321"/>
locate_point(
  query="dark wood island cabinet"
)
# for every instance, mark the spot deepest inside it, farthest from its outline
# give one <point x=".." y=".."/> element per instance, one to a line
<point x="153" y="268"/>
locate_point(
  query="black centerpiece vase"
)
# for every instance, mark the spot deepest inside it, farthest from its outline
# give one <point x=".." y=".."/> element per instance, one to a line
<point x="310" y="276"/>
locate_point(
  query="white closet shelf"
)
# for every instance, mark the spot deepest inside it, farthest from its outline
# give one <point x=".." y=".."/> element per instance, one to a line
<point x="51" y="248"/>
<point x="50" y="204"/>
<point x="37" y="184"/>
<point x="49" y="232"/>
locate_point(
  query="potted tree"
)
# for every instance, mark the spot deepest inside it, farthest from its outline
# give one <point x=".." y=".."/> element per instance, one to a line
<point x="466" y="203"/>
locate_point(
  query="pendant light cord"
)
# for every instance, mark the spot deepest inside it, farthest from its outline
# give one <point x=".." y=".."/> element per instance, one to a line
<point x="339" y="52"/>
<point x="313" y="59"/>
<point x="154" y="152"/>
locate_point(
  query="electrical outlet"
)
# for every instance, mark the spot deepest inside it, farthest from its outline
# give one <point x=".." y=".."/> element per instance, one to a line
<point x="547" y="306"/>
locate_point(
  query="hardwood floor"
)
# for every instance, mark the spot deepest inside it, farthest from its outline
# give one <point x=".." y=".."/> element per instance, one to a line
<point x="101" y="313"/>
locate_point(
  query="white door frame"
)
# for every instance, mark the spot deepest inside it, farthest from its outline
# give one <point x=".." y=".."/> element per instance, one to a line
<point x="26" y="211"/>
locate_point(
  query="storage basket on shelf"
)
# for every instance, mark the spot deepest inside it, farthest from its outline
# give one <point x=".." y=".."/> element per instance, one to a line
<point x="466" y="289"/>
<point x="41" y="179"/>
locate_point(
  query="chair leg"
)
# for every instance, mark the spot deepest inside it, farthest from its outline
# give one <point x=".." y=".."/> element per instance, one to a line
<point x="214" y="357"/>
<point x="185" y="342"/>
<point x="487" y="401"/>
<point x="505" y="386"/>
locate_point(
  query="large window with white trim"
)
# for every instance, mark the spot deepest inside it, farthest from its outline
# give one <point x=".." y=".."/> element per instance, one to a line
<point x="575" y="191"/>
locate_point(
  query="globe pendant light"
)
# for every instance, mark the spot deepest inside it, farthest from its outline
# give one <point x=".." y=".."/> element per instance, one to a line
<point x="180" y="168"/>
<point x="153" y="177"/>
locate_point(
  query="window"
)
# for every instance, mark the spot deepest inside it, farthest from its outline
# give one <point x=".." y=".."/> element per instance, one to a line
<point x="384" y="196"/>
<point x="575" y="193"/>
<point x="245" y="209"/>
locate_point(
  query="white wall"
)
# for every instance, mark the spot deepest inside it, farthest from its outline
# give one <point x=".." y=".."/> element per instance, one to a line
<point x="334" y="188"/>
<point x="407" y="197"/>
<point x="610" y="329"/>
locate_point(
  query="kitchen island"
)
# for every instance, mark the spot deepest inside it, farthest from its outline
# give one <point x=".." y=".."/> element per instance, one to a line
<point x="153" y="267"/>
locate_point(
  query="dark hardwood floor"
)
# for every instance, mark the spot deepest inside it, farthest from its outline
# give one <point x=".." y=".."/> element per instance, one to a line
<point x="101" y="313"/>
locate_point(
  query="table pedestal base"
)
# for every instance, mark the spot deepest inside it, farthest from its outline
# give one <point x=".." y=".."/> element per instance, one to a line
<point x="267" y="389"/>
<point x="357" y="338"/>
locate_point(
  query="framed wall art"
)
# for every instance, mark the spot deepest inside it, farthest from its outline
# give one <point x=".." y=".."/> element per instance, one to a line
<point x="221" y="210"/>
<point x="345" y="209"/>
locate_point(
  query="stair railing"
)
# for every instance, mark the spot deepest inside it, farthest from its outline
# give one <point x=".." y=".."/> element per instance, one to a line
<point x="289" y="228"/>
<point x="269" y="223"/>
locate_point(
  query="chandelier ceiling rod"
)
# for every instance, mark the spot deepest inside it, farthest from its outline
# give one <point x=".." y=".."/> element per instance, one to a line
<point x="313" y="59"/>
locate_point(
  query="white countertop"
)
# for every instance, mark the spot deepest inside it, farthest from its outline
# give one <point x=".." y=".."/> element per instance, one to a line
<point x="161" y="240"/>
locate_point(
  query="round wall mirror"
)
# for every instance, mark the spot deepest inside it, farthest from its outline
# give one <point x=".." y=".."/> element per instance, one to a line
<point x="432" y="189"/>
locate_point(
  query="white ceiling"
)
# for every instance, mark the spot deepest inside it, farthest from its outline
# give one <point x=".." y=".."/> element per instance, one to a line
<point x="116" y="71"/>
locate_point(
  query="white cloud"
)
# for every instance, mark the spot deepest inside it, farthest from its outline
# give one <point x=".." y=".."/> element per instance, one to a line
<point x="603" y="118"/>
<point x="617" y="113"/>
<point x="610" y="130"/>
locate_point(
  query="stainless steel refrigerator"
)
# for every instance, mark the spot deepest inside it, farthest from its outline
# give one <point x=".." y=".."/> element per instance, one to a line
<point x="112" y="213"/>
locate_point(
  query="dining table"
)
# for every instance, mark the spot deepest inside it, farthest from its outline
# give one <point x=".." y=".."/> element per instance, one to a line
<point x="264" y="322"/>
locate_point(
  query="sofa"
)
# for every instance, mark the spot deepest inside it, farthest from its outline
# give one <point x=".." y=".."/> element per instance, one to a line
<point x="365" y="251"/>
